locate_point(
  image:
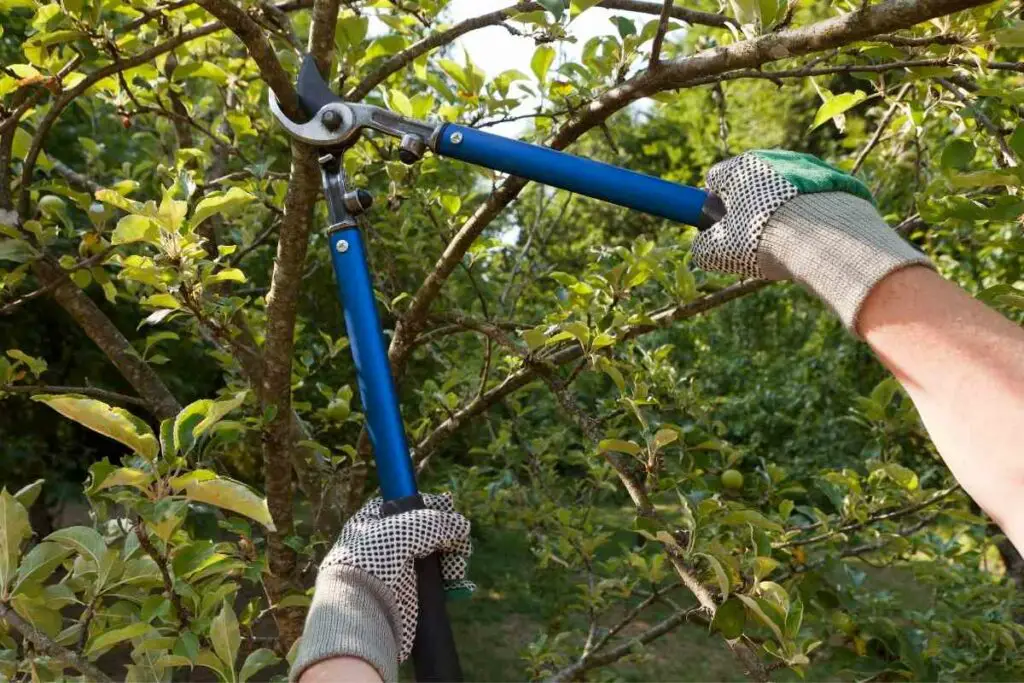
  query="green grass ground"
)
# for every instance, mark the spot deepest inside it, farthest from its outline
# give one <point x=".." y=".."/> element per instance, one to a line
<point x="515" y="602"/>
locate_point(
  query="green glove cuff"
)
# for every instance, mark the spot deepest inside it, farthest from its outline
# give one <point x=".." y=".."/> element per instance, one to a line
<point x="810" y="174"/>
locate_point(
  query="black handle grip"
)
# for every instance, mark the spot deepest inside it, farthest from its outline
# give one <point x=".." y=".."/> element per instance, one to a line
<point x="712" y="212"/>
<point x="434" y="655"/>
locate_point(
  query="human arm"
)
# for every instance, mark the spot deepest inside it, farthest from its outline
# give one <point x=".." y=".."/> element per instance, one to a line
<point x="789" y="216"/>
<point x="963" y="366"/>
<point x="362" y="618"/>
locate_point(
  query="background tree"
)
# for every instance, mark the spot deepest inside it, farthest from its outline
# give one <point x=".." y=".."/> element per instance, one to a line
<point x="665" y="452"/>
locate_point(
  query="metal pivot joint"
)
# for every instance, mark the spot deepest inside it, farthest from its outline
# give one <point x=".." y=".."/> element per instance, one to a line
<point x="343" y="205"/>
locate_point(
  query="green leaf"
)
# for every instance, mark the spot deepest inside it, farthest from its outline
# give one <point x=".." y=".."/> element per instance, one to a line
<point x="230" y="495"/>
<point x="1017" y="140"/>
<point x="577" y="7"/>
<point x="226" y="275"/>
<point x="162" y="300"/>
<point x="16" y="251"/>
<point x="762" y="616"/>
<point x="217" y="203"/>
<point x="451" y="203"/>
<point x="36" y="366"/>
<point x="729" y="619"/>
<point x="578" y="330"/>
<point x="664" y="437"/>
<point x="986" y="179"/>
<point x="763" y="566"/>
<point x="752" y="517"/>
<point x="14" y="530"/>
<point x="39" y="563"/>
<point x="835" y="106"/>
<point x="619" y="446"/>
<point x="794" y="619"/>
<point x="257" y="661"/>
<point x="135" y="228"/>
<point x="207" y="659"/>
<point x="1012" y="36"/>
<point x="720" y="575"/>
<point x="108" y="639"/>
<point x="540" y="63"/>
<point x="399" y="102"/>
<point x="216" y="411"/>
<point x="534" y="338"/>
<point x="29" y="493"/>
<point x="958" y="154"/>
<point x="185" y="422"/>
<point x="556" y="7"/>
<point x="116" y="423"/>
<point x="200" y="70"/>
<point x="125" y="476"/>
<point x="225" y="636"/>
<point x="83" y="540"/>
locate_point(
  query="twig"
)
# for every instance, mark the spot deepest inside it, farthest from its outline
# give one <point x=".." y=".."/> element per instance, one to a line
<point x="144" y="541"/>
<point x="882" y="126"/>
<point x="856" y="526"/>
<point x="659" y="36"/>
<point x="256" y="242"/>
<point x="42" y="642"/>
<point x="84" y="391"/>
<point x="1009" y="157"/>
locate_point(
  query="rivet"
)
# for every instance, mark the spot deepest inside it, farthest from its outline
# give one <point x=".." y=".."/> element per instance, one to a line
<point x="342" y="246"/>
<point x="456" y="138"/>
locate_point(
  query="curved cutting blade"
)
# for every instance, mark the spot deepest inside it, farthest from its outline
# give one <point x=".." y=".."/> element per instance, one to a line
<point x="312" y="89"/>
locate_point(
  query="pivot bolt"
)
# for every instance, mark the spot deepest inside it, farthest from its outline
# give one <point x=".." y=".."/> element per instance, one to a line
<point x="341" y="247"/>
<point x="331" y="119"/>
<point x="456" y="138"/>
<point x="357" y="201"/>
<point x="411" y="149"/>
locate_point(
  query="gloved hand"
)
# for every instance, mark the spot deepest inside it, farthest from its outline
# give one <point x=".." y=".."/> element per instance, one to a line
<point x="790" y="215"/>
<point x="365" y="602"/>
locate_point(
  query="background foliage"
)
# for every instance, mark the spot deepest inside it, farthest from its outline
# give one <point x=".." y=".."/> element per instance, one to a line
<point x="562" y="369"/>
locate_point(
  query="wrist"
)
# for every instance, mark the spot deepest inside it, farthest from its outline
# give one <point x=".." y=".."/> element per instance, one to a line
<point x="837" y="246"/>
<point x="352" y="615"/>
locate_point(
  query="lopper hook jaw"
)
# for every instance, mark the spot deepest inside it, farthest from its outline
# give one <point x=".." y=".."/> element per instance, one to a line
<point x="336" y="123"/>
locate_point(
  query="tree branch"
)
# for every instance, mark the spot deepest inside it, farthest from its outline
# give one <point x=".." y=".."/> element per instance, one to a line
<point x="262" y="52"/>
<point x="882" y="516"/>
<point x="42" y="642"/>
<point x="882" y="126"/>
<point x="659" y="36"/>
<point x="146" y="544"/>
<point x="705" y="66"/>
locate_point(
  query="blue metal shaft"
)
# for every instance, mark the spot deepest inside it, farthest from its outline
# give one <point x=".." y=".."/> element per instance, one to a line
<point x="376" y="385"/>
<point x="591" y="178"/>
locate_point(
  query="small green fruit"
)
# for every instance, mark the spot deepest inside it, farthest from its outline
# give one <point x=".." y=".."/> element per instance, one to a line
<point x="52" y="205"/>
<point x="732" y="479"/>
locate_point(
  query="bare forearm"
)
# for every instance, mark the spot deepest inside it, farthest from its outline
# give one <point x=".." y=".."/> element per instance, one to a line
<point x="340" y="669"/>
<point x="963" y="365"/>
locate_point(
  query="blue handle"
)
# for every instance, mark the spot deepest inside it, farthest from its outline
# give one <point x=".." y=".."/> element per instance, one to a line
<point x="583" y="176"/>
<point x="376" y="385"/>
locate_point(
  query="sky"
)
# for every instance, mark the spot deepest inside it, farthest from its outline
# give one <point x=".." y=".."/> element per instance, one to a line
<point x="493" y="49"/>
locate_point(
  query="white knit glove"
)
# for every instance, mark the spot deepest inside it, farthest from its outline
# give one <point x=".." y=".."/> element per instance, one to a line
<point x="365" y="604"/>
<point x="792" y="216"/>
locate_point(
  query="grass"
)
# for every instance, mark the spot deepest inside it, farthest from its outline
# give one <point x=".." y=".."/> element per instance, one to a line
<point x="516" y="602"/>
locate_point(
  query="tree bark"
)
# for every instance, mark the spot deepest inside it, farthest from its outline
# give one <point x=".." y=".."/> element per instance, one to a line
<point x="104" y="333"/>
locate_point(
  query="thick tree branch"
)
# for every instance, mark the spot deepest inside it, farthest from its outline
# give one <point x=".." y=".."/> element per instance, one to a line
<point x="105" y="334"/>
<point x="262" y="52"/>
<point x="280" y="449"/>
<point x="884" y="17"/>
<point x="43" y="644"/>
